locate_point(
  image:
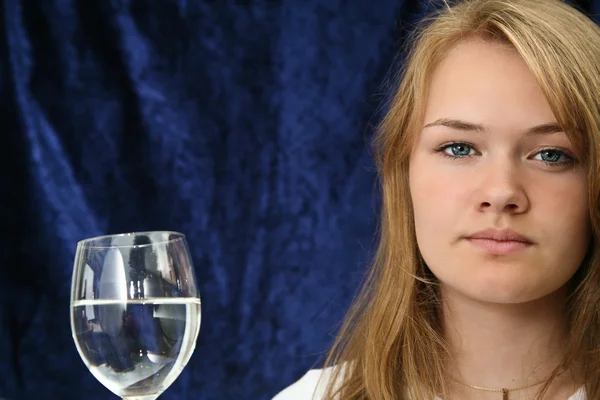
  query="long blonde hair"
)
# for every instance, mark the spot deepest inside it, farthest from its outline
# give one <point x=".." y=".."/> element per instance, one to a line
<point x="392" y="335"/>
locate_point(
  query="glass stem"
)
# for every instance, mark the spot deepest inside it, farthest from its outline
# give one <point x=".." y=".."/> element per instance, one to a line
<point x="149" y="397"/>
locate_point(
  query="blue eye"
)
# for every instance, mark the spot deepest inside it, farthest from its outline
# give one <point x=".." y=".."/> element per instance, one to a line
<point x="553" y="157"/>
<point x="457" y="150"/>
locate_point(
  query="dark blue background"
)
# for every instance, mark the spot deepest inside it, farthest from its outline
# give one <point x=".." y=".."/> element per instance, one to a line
<point x="244" y="126"/>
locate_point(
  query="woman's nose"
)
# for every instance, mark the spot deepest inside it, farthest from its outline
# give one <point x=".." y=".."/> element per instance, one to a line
<point x="502" y="189"/>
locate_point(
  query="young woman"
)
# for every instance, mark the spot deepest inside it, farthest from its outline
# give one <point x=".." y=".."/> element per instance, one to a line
<point x="486" y="284"/>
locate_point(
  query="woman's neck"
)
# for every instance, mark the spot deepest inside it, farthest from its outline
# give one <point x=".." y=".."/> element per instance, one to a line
<point x="505" y="345"/>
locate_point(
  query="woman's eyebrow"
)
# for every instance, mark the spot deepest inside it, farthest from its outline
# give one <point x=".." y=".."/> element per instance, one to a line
<point x="544" y="129"/>
<point x="457" y="124"/>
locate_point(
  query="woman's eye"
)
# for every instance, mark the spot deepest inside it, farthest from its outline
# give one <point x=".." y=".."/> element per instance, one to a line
<point x="553" y="157"/>
<point x="457" y="150"/>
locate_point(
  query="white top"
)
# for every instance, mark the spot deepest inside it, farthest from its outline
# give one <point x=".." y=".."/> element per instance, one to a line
<point x="306" y="388"/>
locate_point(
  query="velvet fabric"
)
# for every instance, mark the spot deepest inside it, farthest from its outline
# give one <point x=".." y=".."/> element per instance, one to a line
<point x="244" y="125"/>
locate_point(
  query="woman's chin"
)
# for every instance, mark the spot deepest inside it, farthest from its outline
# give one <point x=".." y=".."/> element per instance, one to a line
<point x="502" y="291"/>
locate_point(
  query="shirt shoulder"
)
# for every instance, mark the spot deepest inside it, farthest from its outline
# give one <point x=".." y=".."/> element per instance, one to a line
<point x="311" y="386"/>
<point x="579" y="394"/>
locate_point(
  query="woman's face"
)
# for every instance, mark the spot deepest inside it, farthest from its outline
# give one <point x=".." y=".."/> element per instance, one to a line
<point x="500" y="199"/>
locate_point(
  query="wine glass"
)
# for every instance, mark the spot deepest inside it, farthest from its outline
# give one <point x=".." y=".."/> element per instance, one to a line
<point x="135" y="310"/>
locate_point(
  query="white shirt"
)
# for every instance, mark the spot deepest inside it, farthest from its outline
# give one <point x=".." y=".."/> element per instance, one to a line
<point x="312" y="387"/>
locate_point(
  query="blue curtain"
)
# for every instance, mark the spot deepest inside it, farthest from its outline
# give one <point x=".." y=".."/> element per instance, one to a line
<point x="244" y="126"/>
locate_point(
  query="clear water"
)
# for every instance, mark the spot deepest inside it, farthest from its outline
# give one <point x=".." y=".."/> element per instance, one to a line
<point x="136" y="347"/>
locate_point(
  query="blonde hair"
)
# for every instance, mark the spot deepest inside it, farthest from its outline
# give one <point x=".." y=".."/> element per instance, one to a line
<point x="392" y="334"/>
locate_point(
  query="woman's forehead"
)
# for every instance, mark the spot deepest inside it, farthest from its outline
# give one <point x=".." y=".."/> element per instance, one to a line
<point x="487" y="84"/>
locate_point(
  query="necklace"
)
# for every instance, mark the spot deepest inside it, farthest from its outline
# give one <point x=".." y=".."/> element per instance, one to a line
<point x="504" y="391"/>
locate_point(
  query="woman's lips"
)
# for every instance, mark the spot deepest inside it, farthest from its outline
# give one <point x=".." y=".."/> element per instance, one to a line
<point x="500" y="241"/>
<point x="499" y="247"/>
